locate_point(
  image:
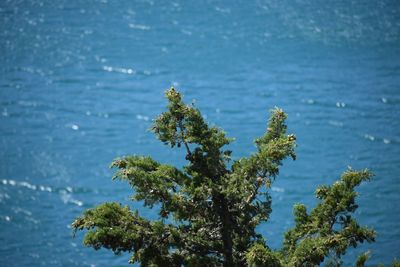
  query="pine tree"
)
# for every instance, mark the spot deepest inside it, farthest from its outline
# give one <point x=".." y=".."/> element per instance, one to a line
<point x="209" y="210"/>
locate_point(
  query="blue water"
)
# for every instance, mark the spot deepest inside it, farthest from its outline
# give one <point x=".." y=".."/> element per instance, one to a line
<point x="80" y="82"/>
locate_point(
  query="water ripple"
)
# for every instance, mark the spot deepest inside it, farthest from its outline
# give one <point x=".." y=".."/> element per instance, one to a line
<point x="65" y="193"/>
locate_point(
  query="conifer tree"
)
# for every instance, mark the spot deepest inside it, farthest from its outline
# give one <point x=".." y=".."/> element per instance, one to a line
<point x="209" y="210"/>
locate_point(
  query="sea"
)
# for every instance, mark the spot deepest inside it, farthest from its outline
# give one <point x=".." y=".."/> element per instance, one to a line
<point x="82" y="80"/>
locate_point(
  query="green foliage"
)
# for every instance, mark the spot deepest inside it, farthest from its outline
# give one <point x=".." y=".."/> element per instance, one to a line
<point x="259" y="255"/>
<point x="215" y="204"/>
<point x="362" y="259"/>
<point x="329" y="227"/>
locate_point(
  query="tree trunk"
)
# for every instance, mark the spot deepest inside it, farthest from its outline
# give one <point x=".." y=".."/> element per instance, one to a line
<point x="226" y="232"/>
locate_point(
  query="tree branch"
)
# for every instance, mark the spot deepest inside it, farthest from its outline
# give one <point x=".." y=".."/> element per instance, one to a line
<point x="260" y="179"/>
<point x="189" y="153"/>
<point x="253" y="195"/>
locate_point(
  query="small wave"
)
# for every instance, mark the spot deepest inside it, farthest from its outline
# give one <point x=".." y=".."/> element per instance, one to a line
<point x="27" y="103"/>
<point x="73" y="126"/>
<point x="27" y="185"/>
<point x="66" y="197"/>
<point x="308" y="101"/>
<point x="120" y="70"/>
<point x="336" y="123"/>
<point x="386" y="141"/>
<point x="139" y="27"/>
<point x="369" y="137"/>
<point x="65" y="193"/>
<point x="33" y="71"/>
<point x="23" y="211"/>
<point x="186" y="32"/>
<point x="223" y="10"/>
<point x="5" y="113"/>
<point x="26" y="213"/>
<point x="340" y="104"/>
<point x="278" y="189"/>
<point x="141" y="117"/>
<point x="128" y="71"/>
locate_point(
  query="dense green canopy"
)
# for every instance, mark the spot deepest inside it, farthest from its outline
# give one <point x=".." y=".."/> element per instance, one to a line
<point x="214" y="204"/>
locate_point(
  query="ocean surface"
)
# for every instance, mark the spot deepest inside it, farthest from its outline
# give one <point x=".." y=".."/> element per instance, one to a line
<point x="81" y="81"/>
